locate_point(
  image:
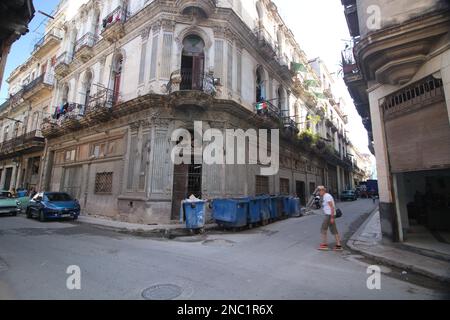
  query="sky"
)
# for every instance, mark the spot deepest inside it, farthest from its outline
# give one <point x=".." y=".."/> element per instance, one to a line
<point x="319" y="27"/>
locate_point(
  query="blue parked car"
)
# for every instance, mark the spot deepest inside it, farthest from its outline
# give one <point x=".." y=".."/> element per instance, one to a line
<point x="53" y="205"/>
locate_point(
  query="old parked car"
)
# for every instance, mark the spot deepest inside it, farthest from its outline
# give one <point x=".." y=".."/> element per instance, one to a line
<point x="348" y="195"/>
<point x="53" y="205"/>
<point x="10" y="204"/>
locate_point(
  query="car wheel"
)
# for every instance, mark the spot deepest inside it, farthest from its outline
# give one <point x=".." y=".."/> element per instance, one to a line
<point x="41" y="216"/>
<point x="75" y="218"/>
<point x="28" y="213"/>
<point x="14" y="214"/>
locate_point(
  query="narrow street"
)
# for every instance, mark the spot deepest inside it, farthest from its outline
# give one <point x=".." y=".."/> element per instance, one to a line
<point x="279" y="261"/>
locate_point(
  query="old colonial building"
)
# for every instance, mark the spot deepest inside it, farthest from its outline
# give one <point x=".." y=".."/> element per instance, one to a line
<point x="398" y="73"/>
<point x="127" y="74"/>
<point x="30" y="100"/>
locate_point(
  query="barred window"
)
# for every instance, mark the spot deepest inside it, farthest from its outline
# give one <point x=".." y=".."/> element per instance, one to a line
<point x="103" y="182"/>
<point x="262" y="185"/>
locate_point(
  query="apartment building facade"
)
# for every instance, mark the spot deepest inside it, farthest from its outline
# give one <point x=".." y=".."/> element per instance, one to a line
<point x="398" y="73"/>
<point x="30" y="100"/>
<point x="127" y="74"/>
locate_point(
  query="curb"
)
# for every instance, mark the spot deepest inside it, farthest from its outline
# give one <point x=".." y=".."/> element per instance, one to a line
<point x="389" y="262"/>
<point x="157" y="232"/>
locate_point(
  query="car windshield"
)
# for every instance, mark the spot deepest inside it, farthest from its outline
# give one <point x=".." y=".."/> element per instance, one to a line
<point x="55" y="197"/>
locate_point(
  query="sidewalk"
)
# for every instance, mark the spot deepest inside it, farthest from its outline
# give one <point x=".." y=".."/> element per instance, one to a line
<point x="160" y="230"/>
<point x="368" y="242"/>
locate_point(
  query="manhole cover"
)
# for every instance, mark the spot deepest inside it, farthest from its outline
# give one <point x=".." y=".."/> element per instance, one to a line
<point x="162" y="292"/>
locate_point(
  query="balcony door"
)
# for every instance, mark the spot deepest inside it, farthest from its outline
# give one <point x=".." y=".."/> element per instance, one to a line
<point x="192" y="63"/>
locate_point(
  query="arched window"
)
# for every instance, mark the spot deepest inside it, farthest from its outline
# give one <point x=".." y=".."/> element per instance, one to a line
<point x="73" y="43"/>
<point x="6" y="133"/>
<point x="87" y="85"/>
<point x="65" y="94"/>
<point x="260" y="85"/>
<point x="192" y="63"/>
<point x="116" y="78"/>
<point x="281" y="99"/>
<point x="16" y="130"/>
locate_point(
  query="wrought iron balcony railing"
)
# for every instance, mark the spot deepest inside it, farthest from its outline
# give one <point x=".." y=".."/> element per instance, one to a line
<point x="55" y="34"/>
<point x="46" y="78"/>
<point x="88" y="40"/>
<point x="118" y="15"/>
<point x="64" y="58"/>
<point x="189" y="80"/>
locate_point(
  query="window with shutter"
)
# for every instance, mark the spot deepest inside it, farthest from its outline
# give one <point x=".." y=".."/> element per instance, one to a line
<point x="154" y="61"/>
<point x="142" y="63"/>
<point x="230" y="67"/>
<point x="167" y="55"/>
<point x="218" y="59"/>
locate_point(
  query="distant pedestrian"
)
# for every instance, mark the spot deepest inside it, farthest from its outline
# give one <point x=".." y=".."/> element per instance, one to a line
<point x="329" y="221"/>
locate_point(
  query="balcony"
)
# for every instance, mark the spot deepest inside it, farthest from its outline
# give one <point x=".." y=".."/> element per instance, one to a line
<point x="193" y="81"/>
<point x="39" y="86"/>
<point x="202" y="8"/>
<point x="351" y="15"/>
<point x="266" y="44"/>
<point x="52" y="39"/>
<point x="62" y="65"/>
<point x="27" y="143"/>
<point x="267" y="110"/>
<point x="84" y="47"/>
<point x="16" y="98"/>
<point x="77" y="117"/>
<point x="113" y="24"/>
<point x="415" y="96"/>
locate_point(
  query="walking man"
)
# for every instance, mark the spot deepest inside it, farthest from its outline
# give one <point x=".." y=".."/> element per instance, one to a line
<point x="329" y="221"/>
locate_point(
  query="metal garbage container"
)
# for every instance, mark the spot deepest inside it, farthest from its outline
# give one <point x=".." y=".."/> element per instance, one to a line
<point x="277" y="207"/>
<point x="260" y="205"/>
<point x="193" y="213"/>
<point x="231" y="213"/>
<point x="292" y="206"/>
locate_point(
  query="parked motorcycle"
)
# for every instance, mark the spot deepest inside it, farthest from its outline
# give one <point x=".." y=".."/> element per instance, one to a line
<point x="317" y="202"/>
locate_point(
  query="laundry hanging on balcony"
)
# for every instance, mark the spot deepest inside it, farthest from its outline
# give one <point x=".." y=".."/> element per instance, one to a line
<point x="60" y="110"/>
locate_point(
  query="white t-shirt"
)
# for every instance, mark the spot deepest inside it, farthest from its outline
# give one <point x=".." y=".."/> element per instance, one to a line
<point x="326" y="207"/>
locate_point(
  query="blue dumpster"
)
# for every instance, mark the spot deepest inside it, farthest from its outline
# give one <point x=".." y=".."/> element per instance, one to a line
<point x="277" y="207"/>
<point x="21" y="193"/>
<point x="260" y="209"/>
<point x="231" y="212"/>
<point x="292" y="206"/>
<point x="193" y="213"/>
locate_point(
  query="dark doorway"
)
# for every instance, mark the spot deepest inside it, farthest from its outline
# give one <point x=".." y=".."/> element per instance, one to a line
<point x="300" y="189"/>
<point x="187" y="181"/>
<point x="8" y="176"/>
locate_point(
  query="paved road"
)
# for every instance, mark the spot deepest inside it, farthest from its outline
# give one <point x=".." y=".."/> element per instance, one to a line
<point x="279" y="261"/>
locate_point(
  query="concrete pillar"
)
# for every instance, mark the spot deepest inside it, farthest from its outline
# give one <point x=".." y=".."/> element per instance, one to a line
<point x="3" y="178"/>
<point x="14" y="177"/>
<point x="388" y="216"/>
<point x="19" y="175"/>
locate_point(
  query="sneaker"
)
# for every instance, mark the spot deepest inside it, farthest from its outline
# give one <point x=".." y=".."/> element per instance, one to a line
<point x="323" y="247"/>
<point x="338" y="248"/>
